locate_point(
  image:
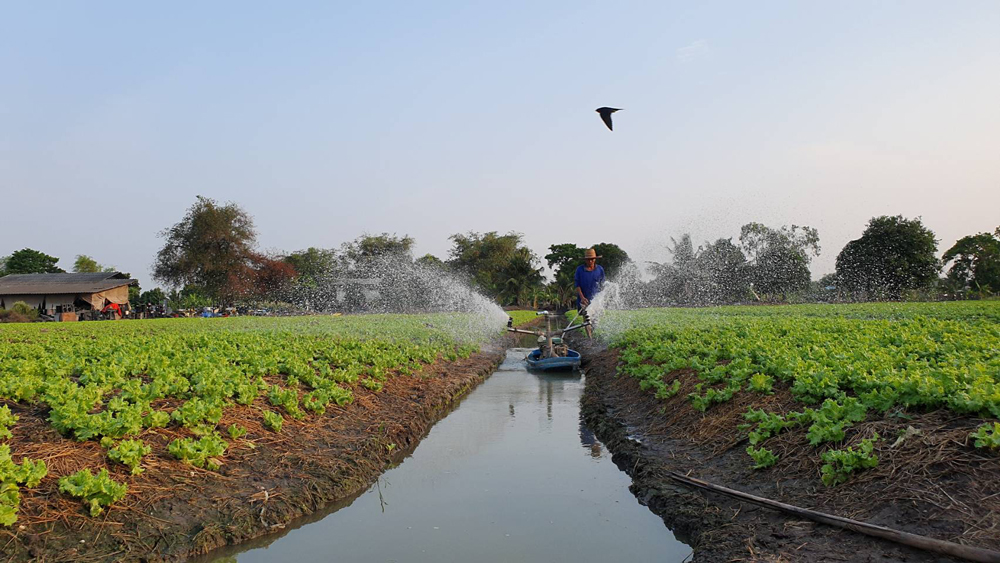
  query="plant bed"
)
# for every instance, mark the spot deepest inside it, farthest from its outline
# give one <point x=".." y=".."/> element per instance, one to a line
<point x="158" y="440"/>
<point x="932" y="482"/>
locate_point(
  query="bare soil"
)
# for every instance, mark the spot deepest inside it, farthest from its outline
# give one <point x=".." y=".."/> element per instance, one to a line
<point x="174" y="511"/>
<point x="933" y="483"/>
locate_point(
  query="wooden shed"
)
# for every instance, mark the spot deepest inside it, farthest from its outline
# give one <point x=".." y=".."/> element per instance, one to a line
<point x="52" y="294"/>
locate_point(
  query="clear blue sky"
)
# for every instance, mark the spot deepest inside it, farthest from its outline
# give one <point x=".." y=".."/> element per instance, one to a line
<point x="327" y="120"/>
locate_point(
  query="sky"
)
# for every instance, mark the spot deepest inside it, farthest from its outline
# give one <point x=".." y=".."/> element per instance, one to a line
<point x="327" y="120"/>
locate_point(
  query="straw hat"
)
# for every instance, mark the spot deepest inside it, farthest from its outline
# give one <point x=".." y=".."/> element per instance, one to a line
<point x="590" y="253"/>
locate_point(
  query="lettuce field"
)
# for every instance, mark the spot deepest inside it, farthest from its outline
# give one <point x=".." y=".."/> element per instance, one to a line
<point x="117" y="384"/>
<point x="840" y="364"/>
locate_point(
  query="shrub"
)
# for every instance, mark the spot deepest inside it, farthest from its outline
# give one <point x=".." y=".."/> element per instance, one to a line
<point x="25" y="310"/>
<point x="12" y="317"/>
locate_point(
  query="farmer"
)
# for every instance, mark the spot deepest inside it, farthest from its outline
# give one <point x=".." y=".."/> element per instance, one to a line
<point x="588" y="279"/>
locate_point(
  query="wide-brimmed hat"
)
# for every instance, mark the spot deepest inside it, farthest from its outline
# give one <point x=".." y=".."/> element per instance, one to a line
<point x="590" y="253"/>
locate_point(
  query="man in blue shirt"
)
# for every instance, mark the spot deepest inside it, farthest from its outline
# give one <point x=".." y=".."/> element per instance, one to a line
<point x="588" y="279"/>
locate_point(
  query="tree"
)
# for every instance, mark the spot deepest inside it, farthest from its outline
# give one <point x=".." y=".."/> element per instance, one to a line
<point x="482" y="257"/>
<point x="612" y="258"/>
<point x="976" y="264"/>
<point x="522" y="280"/>
<point x="778" y="259"/>
<point x="893" y="255"/>
<point x="430" y="261"/>
<point x="86" y="265"/>
<point x="154" y="296"/>
<point x="313" y="265"/>
<point x="188" y="297"/>
<point x="369" y="248"/>
<point x="211" y="248"/>
<point x="497" y="264"/>
<point x="3" y="265"/>
<point x="271" y="277"/>
<point x="723" y="268"/>
<point x="28" y="261"/>
<point x="563" y="259"/>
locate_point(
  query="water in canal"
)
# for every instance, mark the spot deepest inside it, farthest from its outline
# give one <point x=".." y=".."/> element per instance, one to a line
<point x="511" y="475"/>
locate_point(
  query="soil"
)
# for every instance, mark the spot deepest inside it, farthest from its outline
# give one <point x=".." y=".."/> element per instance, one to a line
<point x="933" y="483"/>
<point x="173" y="510"/>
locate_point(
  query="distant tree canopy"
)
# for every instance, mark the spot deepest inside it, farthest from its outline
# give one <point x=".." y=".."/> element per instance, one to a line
<point x="612" y="258"/>
<point x="497" y="264"/>
<point x="212" y="249"/>
<point x="976" y="263"/>
<point x="893" y="255"/>
<point x="86" y="265"/>
<point x="430" y="261"/>
<point x="778" y="259"/>
<point x="564" y="259"/>
<point x="724" y="268"/>
<point x="368" y="248"/>
<point x="28" y="261"/>
<point x="313" y="265"/>
<point x="713" y="273"/>
<point x="154" y="296"/>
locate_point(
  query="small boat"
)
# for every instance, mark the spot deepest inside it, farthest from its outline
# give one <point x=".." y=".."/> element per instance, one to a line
<point x="570" y="361"/>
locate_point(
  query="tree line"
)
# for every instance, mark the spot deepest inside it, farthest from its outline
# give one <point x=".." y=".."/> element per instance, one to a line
<point x="211" y="257"/>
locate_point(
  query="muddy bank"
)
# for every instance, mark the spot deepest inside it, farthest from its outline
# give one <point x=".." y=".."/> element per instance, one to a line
<point x="173" y="510"/>
<point x="933" y="483"/>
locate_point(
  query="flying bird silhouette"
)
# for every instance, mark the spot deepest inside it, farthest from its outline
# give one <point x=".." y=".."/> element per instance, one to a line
<point x="606" y="115"/>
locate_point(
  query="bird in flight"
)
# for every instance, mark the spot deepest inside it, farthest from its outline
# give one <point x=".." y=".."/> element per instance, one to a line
<point x="606" y="115"/>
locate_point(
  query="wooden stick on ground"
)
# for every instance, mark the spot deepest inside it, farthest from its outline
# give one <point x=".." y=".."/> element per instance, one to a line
<point x="913" y="540"/>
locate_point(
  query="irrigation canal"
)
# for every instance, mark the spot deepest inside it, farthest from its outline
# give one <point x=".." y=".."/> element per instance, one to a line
<point x="512" y="474"/>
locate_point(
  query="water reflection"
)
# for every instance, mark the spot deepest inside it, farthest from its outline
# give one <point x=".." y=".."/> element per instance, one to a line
<point x="486" y="485"/>
<point x="589" y="441"/>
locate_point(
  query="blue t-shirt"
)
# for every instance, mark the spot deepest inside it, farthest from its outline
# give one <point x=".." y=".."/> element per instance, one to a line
<point x="590" y="282"/>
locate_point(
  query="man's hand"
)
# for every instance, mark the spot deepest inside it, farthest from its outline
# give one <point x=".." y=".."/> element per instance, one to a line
<point x="584" y="301"/>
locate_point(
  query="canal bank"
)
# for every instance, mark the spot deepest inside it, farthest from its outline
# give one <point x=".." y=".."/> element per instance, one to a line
<point x="512" y="474"/>
<point x="651" y="438"/>
<point x="264" y="482"/>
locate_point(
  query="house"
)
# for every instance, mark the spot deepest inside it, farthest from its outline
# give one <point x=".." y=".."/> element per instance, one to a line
<point x="54" y="294"/>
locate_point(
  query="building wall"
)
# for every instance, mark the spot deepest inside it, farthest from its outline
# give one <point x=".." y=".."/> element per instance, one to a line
<point x="35" y="301"/>
<point x="117" y="295"/>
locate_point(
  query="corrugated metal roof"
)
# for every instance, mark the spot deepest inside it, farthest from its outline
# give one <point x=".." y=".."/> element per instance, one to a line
<point x="47" y="284"/>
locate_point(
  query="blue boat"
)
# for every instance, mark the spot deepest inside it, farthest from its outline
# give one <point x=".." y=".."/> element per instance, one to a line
<point x="570" y="361"/>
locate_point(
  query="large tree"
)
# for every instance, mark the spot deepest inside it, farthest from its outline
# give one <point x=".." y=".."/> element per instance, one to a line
<point x="152" y="297"/>
<point x="28" y="261"/>
<point x="497" y="264"/>
<point x="210" y="248"/>
<point x="677" y="281"/>
<point x="522" y="280"/>
<point x="430" y="261"/>
<point x="723" y="268"/>
<point x="976" y="265"/>
<point x="563" y="260"/>
<point x="778" y="259"/>
<point x="612" y="258"/>
<point x="86" y="265"/>
<point x="893" y="255"/>
<point x="370" y="248"/>
<point x="313" y="265"/>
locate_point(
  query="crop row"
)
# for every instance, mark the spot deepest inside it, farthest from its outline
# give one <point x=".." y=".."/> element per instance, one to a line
<point x="110" y="382"/>
<point x="842" y="363"/>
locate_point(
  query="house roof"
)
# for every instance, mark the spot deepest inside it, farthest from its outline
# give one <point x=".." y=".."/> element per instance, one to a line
<point x="49" y="284"/>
